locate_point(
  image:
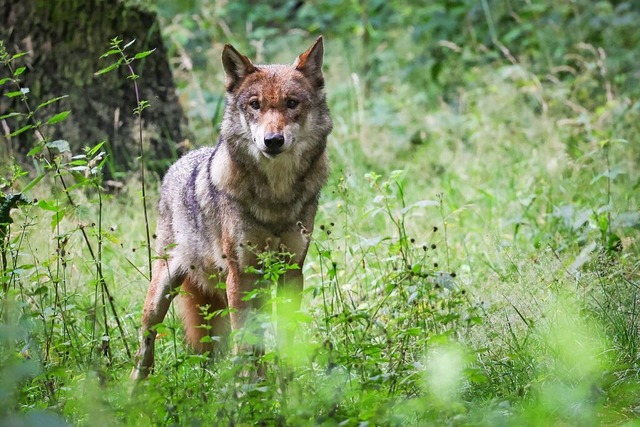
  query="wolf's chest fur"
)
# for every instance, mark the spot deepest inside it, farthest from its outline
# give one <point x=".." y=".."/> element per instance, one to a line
<point x="273" y="193"/>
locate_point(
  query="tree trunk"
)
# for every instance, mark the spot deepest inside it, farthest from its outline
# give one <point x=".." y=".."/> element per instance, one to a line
<point x="65" y="39"/>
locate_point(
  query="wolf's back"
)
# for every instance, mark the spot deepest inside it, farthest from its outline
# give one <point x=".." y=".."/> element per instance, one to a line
<point x="179" y="205"/>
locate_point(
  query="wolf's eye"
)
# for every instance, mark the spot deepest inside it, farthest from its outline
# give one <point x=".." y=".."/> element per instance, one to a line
<point x="292" y="103"/>
<point x="255" y="105"/>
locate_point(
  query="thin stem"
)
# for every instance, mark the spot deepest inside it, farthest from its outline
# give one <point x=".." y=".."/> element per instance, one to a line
<point x="142" y="165"/>
<point x="606" y="153"/>
<point x="444" y="227"/>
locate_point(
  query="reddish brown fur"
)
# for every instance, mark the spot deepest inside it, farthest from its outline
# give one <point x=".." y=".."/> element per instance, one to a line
<point x="192" y="301"/>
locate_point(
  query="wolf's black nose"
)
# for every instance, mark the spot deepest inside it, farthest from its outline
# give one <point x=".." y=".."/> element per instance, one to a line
<point x="273" y="141"/>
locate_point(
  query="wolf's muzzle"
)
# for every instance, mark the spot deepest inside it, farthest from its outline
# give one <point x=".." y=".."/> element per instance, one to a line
<point x="273" y="142"/>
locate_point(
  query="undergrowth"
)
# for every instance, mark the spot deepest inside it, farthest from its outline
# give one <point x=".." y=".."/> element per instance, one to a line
<point x="474" y="259"/>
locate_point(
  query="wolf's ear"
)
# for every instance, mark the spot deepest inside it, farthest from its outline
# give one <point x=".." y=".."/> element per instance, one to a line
<point x="310" y="63"/>
<point x="236" y="66"/>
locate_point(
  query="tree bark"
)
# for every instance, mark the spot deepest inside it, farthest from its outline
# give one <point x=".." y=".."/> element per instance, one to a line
<point x="65" y="39"/>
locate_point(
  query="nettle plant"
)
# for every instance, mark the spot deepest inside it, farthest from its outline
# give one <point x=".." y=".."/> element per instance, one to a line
<point x="38" y="282"/>
<point x="58" y="322"/>
<point x="386" y="299"/>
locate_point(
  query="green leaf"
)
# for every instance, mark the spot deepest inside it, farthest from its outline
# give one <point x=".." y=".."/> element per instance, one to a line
<point x="47" y="206"/>
<point x="13" y="94"/>
<point x="19" y="71"/>
<point x="59" y="144"/>
<point x="372" y="350"/>
<point x="35" y="150"/>
<point x="107" y="69"/>
<point x="95" y="149"/>
<point x="18" y="55"/>
<point x="111" y="237"/>
<point x="42" y="290"/>
<point x="611" y="174"/>
<point x="6" y="116"/>
<point x="21" y="130"/>
<point x="56" y="218"/>
<point x="33" y="183"/>
<point x="51" y="101"/>
<point x="141" y="55"/>
<point x="58" y="117"/>
<point x="414" y="332"/>
<point x="110" y="52"/>
<point x="129" y="44"/>
<point x="6" y="79"/>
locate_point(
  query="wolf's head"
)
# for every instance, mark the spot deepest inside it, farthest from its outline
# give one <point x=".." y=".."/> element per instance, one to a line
<point x="281" y="107"/>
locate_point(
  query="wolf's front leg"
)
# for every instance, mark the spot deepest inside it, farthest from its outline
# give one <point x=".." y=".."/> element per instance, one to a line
<point x="291" y="284"/>
<point x="289" y="299"/>
<point x="242" y="315"/>
<point x="161" y="291"/>
<point x="245" y="320"/>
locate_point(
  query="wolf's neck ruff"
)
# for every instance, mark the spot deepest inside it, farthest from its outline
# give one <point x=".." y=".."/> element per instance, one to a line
<point x="273" y="191"/>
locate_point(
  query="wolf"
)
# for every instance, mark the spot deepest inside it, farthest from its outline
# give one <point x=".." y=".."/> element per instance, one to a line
<point x="256" y="190"/>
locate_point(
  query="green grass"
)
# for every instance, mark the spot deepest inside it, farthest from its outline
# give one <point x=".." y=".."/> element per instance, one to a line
<point x="475" y="262"/>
